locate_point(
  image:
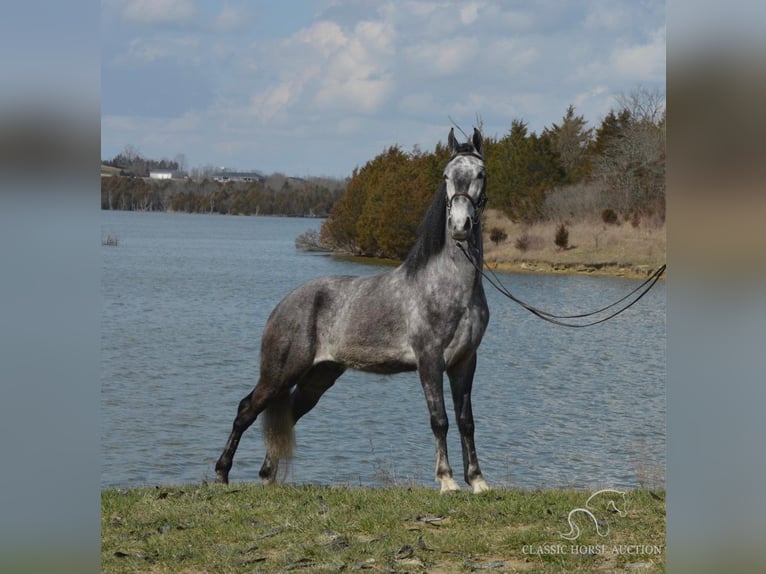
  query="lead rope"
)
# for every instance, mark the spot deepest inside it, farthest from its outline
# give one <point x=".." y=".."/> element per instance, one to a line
<point x="550" y="317"/>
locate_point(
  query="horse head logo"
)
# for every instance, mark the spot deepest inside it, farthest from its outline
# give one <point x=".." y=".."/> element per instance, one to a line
<point x="605" y="500"/>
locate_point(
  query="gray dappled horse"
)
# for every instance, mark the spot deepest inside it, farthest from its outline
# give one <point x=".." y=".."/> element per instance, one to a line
<point x="427" y="315"/>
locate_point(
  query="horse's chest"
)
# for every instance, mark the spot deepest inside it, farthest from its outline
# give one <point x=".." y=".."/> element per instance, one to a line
<point x="452" y="329"/>
<point x="468" y="333"/>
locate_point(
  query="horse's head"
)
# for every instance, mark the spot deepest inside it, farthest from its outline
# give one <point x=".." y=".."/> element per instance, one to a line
<point x="466" y="185"/>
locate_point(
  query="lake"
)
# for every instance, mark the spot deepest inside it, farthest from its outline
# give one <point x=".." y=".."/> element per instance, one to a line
<point x="185" y="298"/>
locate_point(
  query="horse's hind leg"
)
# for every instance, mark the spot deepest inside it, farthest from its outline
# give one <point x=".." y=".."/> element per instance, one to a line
<point x="303" y="398"/>
<point x="461" y="383"/>
<point x="249" y="409"/>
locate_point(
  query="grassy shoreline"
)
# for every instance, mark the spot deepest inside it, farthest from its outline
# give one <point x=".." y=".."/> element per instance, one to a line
<point x="249" y="528"/>
<point x="595" y="248"/>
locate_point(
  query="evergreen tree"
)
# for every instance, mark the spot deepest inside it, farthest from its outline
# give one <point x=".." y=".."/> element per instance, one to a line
<point x="612" y="128"/>
<point x="522" y="167"/>
<point x="572" y="141"/>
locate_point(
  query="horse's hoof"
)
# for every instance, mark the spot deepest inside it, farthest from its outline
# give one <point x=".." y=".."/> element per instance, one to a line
<point x="480" y="485"/>
<point x="448" y="486"/>
<point x="221" y="479"/>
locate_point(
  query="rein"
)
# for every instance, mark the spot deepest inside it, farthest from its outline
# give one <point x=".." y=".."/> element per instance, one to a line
<point x="642" y="290"/>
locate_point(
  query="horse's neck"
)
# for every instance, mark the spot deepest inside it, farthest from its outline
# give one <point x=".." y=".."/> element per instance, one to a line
<point x="474" y="247"/>
<point x="479" y="245"/>
<point x="468" y="260"/>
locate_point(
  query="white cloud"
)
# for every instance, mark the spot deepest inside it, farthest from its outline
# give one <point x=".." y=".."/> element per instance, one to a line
<point x="325" y="36"/>
<point x="606" y="15"/>
<point x="584" y="97"/>
<point x="593" y="104"/>
<point x="357" y="76"/>
<point x="269" y="103"/>
<point x="418" y="103"/>
<point x="184" y="123"/>
<point x="444" y="57"/>
<point x="154" y="136"/>
<point x="469" y="13"/>
<point x="232" y="17"/>
<point x="357" y="94"/>
<point x="642" y="61"/>
<point x="512" y="55"/>
<point x="373" y="73"/>
<point x="492" y="104"/>
<point x="376" y="35"/>
<point x="516" y="20"/>
<point x="420" y="8"/>
<point x="143" y="50"/>
<point x="160" y="11"/>
<point x="326" y="67"/>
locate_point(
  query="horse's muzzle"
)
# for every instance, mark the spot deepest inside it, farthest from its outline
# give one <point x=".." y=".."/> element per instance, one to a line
<point x="460" y="232"/>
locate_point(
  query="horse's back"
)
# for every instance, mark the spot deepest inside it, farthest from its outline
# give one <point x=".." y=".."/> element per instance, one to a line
<point x="296" y="315"/>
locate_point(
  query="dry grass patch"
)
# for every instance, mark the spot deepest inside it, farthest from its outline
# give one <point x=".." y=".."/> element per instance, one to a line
<point x="593" y="247"/>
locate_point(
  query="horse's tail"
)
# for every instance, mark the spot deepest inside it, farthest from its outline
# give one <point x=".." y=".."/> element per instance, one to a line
<point x="278" y="432"/>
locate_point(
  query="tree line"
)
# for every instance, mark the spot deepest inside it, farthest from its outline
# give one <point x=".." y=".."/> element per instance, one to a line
<point x="130" y="162"/>
<point x="276" y="195"/>
<point x="568" y="172"/>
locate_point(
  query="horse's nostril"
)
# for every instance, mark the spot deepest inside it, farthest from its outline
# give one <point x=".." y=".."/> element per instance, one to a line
<point x="467" y="224"/>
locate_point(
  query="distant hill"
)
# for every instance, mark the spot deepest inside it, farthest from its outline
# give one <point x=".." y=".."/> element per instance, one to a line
<point x="108" y="170"/>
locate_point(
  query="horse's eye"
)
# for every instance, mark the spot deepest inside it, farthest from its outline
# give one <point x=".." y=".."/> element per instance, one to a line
<point x="446" y="177"/>
<point x="480" y="176"/>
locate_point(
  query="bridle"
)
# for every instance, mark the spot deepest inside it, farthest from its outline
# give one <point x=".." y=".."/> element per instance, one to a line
<point x="478" y="205"/>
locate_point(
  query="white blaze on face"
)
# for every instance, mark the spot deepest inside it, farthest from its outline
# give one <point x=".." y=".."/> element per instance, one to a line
<point x="461" y="214"/>
<point x="463" y="176"/>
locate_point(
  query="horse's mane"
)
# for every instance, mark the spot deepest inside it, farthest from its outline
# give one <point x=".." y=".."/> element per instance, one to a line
<point x="431" y="236"/>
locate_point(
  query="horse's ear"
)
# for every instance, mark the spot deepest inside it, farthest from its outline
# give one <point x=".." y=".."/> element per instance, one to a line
<point x="477" y="141"/>
<point x="452" y="142"/>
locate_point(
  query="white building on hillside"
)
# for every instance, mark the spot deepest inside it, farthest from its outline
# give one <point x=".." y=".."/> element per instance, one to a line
<point x="161" y="174"/>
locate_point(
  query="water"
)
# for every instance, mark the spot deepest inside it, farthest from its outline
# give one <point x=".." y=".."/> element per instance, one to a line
<point x="186" y="297"/>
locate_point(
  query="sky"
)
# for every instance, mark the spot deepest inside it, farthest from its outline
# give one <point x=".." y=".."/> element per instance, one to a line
<point x="317" y="88"/>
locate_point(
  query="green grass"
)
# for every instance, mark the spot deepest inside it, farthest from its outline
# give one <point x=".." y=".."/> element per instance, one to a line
<point x="248" y="528"/>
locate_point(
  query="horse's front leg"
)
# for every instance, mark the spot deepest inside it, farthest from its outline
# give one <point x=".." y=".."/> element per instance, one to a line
<point x="461" y="383"/>
<point x="432" y="379"/>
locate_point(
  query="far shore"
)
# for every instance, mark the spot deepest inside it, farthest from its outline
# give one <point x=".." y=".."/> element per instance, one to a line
<point x="627" y="249"/>
<point x="610" y="269"/>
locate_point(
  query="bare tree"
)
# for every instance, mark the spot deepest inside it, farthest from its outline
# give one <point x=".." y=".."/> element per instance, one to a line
<point x="131" y="153"/>
<point x="180" y="161"/>
<point x="644" y="104"/>
<point x="631" y="165"/>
